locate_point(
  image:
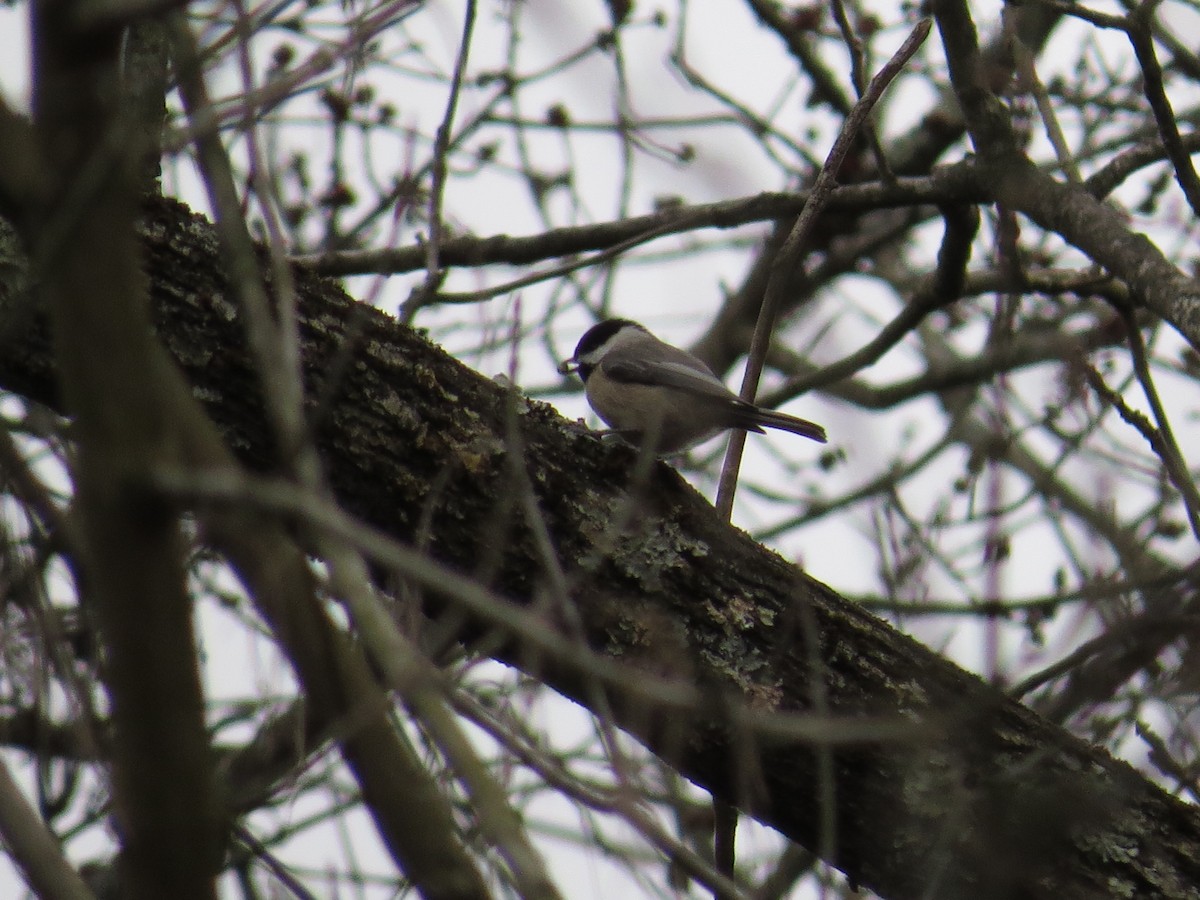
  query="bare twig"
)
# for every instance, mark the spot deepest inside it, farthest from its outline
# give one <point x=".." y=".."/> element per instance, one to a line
<point x="785" y="261"/>
<point x="1142" y="38"/>
<point x="789" y="255"/>
<point x="29" y="843"/>
<point x="231" y="490"/>
<point x="441" y="145"/>
<point x="278" y="367"/>
<point x="1161" y="439"/>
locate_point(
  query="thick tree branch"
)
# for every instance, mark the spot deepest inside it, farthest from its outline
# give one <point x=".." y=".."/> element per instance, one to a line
<point x="679" y="592"/>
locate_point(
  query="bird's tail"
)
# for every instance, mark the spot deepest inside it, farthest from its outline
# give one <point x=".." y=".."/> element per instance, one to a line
<point x="784" y="422"/>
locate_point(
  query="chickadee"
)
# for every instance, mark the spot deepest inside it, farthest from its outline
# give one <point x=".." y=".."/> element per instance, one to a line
<point x="650" y="392"/>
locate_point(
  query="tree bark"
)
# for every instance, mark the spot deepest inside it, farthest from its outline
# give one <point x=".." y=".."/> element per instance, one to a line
<point x="987" y="800"/>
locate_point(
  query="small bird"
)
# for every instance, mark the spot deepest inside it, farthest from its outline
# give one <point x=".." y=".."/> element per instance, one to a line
<point x="654" y="394"/>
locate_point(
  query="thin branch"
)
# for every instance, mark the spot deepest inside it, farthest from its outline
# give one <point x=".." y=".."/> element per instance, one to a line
<point x="782" y="267"/>
<point x="441" y="145"/>
<point x="858" y="76"/>
<point x="235" y="491"/>
<point x="277" y="366"/>
<point x="1161" y="439"/>
<point x="259" y="851"/>
<point x="29" y="843"/>
<point x="1142" y="38"/>
<point x="1027" y="68"/>
<point x="565" y="268"/>
<point x="286" y="85"/>
<point x="551" y="769"/>
<point x="789" y="254"/>
<point x="1107" y="179"/>
<point x="1118" y="637"/>
<point x="946" y="185"/>
<point x="962" y="223"/>
<point x="420" y="685"/>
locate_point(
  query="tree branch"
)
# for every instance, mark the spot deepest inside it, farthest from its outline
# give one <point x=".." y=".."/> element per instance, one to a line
<point x="680" y="594"/>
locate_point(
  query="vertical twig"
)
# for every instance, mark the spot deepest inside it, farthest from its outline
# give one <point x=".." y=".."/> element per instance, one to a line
<point x="1024" y="61"/>
<point x="858" y="74"/>
<point x="789" y="254"/>
<point x="1142" y="38"/>
<point x="725" y="816"/>
<point x="1172" y="456"/>
<point x="441" y="147"/>
<point x="278" y="368"/>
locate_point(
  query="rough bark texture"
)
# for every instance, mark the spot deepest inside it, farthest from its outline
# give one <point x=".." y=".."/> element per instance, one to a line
<point x="994" y="803"/>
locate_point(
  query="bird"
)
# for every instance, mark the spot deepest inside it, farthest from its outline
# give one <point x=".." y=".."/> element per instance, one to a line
<point x="653" y="394"/>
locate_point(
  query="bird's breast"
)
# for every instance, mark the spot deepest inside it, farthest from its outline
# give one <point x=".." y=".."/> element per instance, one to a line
<point x="644" y="410"/>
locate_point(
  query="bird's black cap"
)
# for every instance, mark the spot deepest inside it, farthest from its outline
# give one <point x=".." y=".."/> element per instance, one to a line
<point x="599" y="333"/>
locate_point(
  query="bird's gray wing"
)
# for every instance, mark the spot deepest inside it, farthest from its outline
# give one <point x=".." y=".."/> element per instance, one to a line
<point x="668" y="374"/>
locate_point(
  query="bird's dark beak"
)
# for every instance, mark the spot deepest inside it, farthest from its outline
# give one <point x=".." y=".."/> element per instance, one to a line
<point x="567" y="366"/>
